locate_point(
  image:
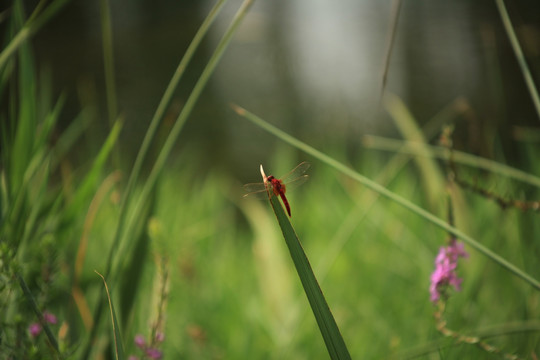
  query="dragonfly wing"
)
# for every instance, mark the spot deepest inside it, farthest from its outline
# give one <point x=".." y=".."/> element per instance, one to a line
<point x="255" y="191"/>
<point x="296" y="182"/>
<point x="296" y="173"/>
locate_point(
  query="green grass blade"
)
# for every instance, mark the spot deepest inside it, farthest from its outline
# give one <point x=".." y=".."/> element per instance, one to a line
<point x="158" y="115"/>
<point x="396" y="10"/>
<point x="519" y="55"/>
<point x="25" y="113"/>
<point x="414" y="148"/>
<point x="194" y="96"/>
<point x="368" y="199"/>
<point x="432" y="180"/>
<point x="131" y="268"/>
<point x="188" y="107"/>
<point x="327" y="324"/>
<point x="118" y="346"/>
<point x="108" y="59"/>
<point x="87" y="187"/>
<point x="169" y="143"/>
<point x="386" y="193"/>
<point x="68" y="138"/>
<point x="29" y="29"/>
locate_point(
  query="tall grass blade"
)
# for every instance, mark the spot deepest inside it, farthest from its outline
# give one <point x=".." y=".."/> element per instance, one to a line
<point x="131" y="266"/>
<point x="118" y="346"/>
<point x="50" y="122"/>
<point x="459" y="157"/>
<point x="327" y="324"/>
<point x="108" y="60"/>
<point x="156" y="119"/>
<point x="396" y="9"/>
<point x="85" y="190"/>
<point x="108" y="64"/>
<point x="188" y="107"/>
<point x="29" y="29"/>
<point x="368" y="198"/>
<point x="519" y="55"/>
<point x="171" y="139"/>
<point x="192" y="99"/>
<point x="24" y="120"/>
<point x="386" y="193"/>
<point x="433" y="181"/>
<point x="68" y="137"/>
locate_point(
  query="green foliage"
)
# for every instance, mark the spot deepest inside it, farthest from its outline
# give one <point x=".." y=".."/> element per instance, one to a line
<point x="185" y="257"/>
<point x="118" y="345"/>
<point x="36" y="216"/>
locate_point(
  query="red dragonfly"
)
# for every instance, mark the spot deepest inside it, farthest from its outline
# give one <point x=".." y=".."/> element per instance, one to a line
<point x="293" y="179"/>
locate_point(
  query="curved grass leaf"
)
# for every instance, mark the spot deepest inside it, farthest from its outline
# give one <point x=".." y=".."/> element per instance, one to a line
<point x="387" y="193"/>
<point x="118" y="346"/>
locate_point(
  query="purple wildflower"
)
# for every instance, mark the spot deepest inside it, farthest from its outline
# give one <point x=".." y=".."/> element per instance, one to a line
<point x="150" y="352"/>
<point x="34" y="329"/>
<point x="154" y="353"/>
<point x="140" y="342"/>
<point x="50" y="318"/>
<point x="445" y="269"/>
<point x="160" y="337"/>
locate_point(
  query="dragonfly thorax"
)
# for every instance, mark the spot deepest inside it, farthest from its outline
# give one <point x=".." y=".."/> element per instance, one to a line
<point x="277" y="185"/>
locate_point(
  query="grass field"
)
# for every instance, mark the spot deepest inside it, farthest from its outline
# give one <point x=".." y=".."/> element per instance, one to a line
<point x="192" y="270"/>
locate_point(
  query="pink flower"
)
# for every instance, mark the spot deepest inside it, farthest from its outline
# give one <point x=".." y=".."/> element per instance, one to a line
<point x="49" y="317"/>
<point x="445" y="269"/>
<point x="151" y="353"/>
<point x="160" y="337"/>
<point x="154" y="354"/>
<point x="34" y="329"/>
<point x="140" y="341"/>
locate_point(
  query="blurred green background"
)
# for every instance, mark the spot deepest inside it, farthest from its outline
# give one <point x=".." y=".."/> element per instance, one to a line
<point x="208" y="268"/>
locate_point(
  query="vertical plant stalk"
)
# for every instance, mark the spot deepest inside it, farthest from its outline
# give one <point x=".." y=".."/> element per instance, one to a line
<point x="118" y="346"/>
<point x="519" y="55"/>
<point x="396" y="9"/>
<point x="432" y="179"/>
<point x="108" y="60"/>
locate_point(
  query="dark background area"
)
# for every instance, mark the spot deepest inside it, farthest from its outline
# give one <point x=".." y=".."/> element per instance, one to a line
<point x="313" y="69"/>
